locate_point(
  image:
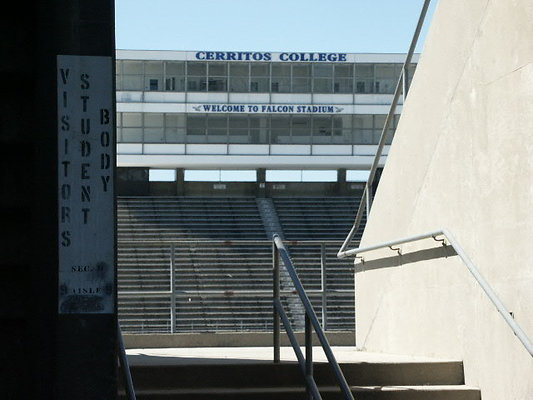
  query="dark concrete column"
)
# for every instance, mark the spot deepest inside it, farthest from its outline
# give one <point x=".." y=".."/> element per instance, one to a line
<point x="341" y="182"/>
<point x="50" y="355"/>
<point x="261" y="182"/>
<point x="180" y="182"/>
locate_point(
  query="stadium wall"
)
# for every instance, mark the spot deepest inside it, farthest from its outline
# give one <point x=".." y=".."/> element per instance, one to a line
<point x="472" y="174"/>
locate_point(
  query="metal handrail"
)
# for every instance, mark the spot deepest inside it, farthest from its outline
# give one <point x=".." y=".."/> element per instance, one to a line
<point x="311" y="321"/>
<point x="517" y="330"/>
<point x="124" y="365"/>
<point x="400" y="86"/>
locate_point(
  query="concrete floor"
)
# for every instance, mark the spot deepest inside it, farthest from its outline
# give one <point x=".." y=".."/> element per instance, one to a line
<point x="232" y="355"/>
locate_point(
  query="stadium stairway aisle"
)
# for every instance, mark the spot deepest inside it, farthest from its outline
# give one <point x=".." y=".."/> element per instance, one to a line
<point x="248" y="373"/>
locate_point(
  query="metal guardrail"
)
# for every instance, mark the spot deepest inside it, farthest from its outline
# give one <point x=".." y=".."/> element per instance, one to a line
<point x="515" y="327"/>
<point x="172" y="301"/>
<point x="401" y="86"/>
<point x="311" y="321"/>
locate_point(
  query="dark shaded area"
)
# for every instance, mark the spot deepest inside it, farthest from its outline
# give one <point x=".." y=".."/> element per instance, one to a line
<point x="43" y="354"/>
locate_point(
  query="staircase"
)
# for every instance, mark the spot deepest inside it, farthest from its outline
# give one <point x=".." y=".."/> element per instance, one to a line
<point x="382" y="378"/>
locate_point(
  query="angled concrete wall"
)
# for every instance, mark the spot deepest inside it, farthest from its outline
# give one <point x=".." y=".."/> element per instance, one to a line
<point x="462" y="159"/>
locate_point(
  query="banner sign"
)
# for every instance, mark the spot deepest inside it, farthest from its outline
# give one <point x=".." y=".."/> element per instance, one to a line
<point x="86" y="157"/>
<point x="265" y="108"/>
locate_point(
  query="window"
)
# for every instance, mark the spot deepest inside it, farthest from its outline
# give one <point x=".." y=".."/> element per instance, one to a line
<point x="280" y="129"/>
<point x="238" y="129"/>
<point x="153" y="71"/>
<point x="132" y="127"/>
<point x="343" y="81"/>
<point x="217" y="128"/>
<point x="217" y="77"/>
<point x="386" y="77"/>
<point x="363" y="129"/>
<point x="259" y="77"/>
<point x="196" y="128"/>
<point x="154" y="84"/>
<point x="133" y="75"/>
<point x="197" y="76"/>
<point x="301" y="129"/>
<point x="364" y="78"/>
<point x="175" y="76"/>
<point x="301" y="78"/>
<point x="321" y="129"/>
<point x="154" y="128"/>
<point x="323" y="78"/>
<point x="281" y="78"/>
<point x="175" y="128"/>
<point x="239" y="77"/>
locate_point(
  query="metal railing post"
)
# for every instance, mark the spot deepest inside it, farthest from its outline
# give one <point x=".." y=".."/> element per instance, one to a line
<point x="405" y="81"/>
<point x="368" y="199"/>
<point x="276" y="299"/>
<point x="172" y="291"/>
<point x="323" y="286"/>
<point x="308" y="353"/>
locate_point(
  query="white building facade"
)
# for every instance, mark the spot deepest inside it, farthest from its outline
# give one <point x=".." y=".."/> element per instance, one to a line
<point x="251" y="110"/>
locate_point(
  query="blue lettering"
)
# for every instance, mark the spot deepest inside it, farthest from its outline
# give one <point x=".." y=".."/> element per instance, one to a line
<point x="209" y="55"/>
<point x="231" y="56"/>
<point x="219" y="55"/>
<point x="267" y="56"/>
<point x="321" y="57"/>
<point x="200" y="55"/>
<point x="283" y="56"/>
<point x="342" y="57"/>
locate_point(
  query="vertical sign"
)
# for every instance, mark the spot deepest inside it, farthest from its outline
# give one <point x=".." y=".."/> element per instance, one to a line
<point x="86" y="158"/>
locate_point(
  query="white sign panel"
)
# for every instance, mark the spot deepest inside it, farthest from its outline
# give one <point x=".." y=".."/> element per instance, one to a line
<point x="266" y="108"/>
<point x="86" y="158"/>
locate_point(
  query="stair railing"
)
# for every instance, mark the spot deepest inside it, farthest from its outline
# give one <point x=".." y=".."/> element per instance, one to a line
<point x="311" y="321"/>
<point x="507" y="316"/>
<point x="125" y="367"/>
<point x="401" y="86"/>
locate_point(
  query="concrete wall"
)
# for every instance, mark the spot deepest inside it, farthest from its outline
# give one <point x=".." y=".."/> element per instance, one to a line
<point x="462" y="159"/>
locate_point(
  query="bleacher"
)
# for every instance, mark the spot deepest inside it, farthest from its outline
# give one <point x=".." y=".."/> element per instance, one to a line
<point x="316" y="218"/>
<point x="204" y="240"/>
<point x="178" y="218"/>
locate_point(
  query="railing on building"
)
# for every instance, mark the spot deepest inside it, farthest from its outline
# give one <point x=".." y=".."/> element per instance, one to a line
<point x="154" y="297"/>
<point x="402" y="88"/>
<point x="448" y="240"/>
<point x="311" y="323"/>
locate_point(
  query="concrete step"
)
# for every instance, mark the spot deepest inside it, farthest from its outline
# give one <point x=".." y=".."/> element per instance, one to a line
<point x="249" y="373"/>
<point x="267" y="374"/>
<point x="441" y="392"/>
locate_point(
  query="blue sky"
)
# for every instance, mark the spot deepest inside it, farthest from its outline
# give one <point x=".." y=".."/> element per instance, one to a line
<point x="351" y="26"/>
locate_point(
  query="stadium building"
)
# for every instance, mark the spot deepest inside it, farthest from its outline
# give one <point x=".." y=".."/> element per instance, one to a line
<point x="218" y="146"/>
<point x="251" y="111"/>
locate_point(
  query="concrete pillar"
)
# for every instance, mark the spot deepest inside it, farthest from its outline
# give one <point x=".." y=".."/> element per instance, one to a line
<point x="261" y="182"/>
<point x="49" y="355"/>
<point x="342" y="188"/>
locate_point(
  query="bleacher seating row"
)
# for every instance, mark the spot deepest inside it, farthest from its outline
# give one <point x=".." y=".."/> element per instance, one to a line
<point x="202" y="239"/>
